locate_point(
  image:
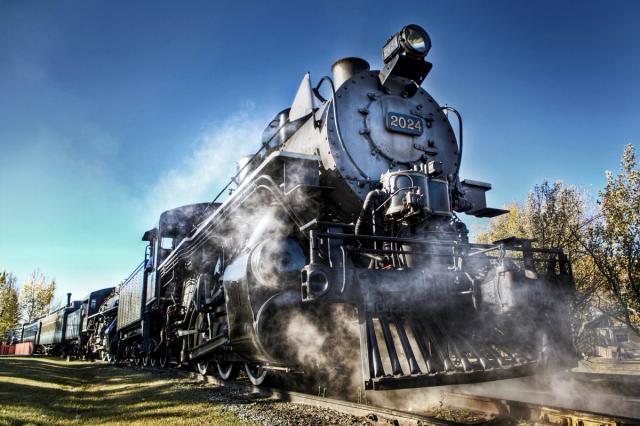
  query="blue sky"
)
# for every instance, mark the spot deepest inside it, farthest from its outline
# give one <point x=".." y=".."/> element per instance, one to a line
<point x="113" y="111"/>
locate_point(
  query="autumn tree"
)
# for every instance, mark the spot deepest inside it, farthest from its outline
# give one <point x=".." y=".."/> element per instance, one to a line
<point x="561" y="216"/>
<point x="36" y="295"/>
<point x="553" y="215"/>
<point x="602" y="240"/>
<point x="556" y="215"/>
<point x="613" y="243"/>
<point x="511" y="224"/>
<point x="9" y="308"/>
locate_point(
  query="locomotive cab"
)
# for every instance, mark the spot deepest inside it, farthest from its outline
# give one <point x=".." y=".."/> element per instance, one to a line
<point x="175" y="225"/>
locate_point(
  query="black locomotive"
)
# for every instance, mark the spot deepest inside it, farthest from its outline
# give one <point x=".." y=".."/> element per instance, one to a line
<point x="70" y="329"/>
<point x="340" y="244"/>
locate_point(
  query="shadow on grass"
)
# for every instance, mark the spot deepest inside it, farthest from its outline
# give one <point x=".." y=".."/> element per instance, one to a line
<point x="45" y="391"/>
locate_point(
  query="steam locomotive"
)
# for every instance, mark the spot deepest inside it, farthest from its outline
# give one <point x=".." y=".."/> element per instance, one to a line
<point x="70" y="329"/>
<point x="340" y="243"/>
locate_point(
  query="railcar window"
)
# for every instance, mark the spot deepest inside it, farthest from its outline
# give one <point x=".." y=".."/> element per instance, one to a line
<point x="166" y="243"/>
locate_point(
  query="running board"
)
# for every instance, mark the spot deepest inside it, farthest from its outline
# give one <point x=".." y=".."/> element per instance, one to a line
<point x="407" y="352"/>
<point x="207" y="347"/>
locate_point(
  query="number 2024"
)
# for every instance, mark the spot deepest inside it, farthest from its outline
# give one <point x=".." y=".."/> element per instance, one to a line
<point x="405" y="123"/>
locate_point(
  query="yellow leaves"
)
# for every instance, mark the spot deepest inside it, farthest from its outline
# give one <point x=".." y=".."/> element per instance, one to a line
<point x="9" y="310"/>
<point x="614" y="240"/>
<point x="507" y="225"/>
<point x="36" y="295"/>
<point x="620" y="204"/>
<point x="602" y="239"/>
<point x="551" y="214"/>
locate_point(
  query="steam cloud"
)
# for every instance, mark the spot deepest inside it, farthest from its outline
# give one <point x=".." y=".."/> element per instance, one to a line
<point x="200" y="175"/>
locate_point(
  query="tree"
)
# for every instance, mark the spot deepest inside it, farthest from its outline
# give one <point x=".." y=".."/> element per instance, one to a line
<point x="560" y="216"/>
<point x="507" y="225"/>
<point x="9" y="308"/>
<point x="613" y="243"/>
<point x="36" y="296"/>
<point x="602" y="240"/>
<point x="556" y="215"/>
<point x="553" y="215"/>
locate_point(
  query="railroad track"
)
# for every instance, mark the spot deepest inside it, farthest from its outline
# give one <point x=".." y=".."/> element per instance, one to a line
<point x="535" y="413"/>
<point x="499" y="411"/>
<point x="398" y="417"/>
<point x="482" y="410"/>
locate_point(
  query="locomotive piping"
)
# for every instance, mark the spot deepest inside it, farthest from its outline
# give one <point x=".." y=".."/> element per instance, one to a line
<point x="366" y="208"/>
<point x="455" y="111"/>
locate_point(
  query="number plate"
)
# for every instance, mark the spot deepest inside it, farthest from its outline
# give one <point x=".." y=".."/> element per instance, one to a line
<point x="403" y="123"/>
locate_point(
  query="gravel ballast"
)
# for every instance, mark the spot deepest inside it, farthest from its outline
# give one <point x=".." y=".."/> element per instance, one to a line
<point x="261" y="410"/>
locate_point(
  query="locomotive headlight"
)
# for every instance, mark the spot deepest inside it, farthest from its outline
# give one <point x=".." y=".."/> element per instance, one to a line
<point x="411" y="40"/>
<point x="403" y="56"/>
<point x="416" y="40"/>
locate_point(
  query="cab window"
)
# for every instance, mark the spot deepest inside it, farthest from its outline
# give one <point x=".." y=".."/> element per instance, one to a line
<point x="166" y="243"/>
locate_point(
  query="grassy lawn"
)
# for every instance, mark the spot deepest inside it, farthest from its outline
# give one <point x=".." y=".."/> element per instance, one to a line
<point x="48" y="391"/>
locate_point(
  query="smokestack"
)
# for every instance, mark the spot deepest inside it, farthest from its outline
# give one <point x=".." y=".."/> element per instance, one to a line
<point x="346" y="68"/>
<point x="68" y="299"/>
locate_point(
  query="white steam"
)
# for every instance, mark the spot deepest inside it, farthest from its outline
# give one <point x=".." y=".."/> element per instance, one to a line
<point x="309" y="341"/>
<point x="199" y="176"/>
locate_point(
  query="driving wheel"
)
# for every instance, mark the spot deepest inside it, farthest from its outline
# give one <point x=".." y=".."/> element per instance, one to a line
<point x="165" y="356"/>
<point x="255" y="372"/>
<point x="203" y="334"/>
<point x="228" y="370"/>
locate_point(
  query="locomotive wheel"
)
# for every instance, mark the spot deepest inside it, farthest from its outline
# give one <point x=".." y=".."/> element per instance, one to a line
<point x="164" y="357"/>
<point x="202" y="367"/>
<point x="228" y="370"/>
<point x="145" y="360"/>
<point x="256" y="373"/>
<point x="151" y="354"/>
<point x="135" y="355"/>
<point x="202" y="326"/>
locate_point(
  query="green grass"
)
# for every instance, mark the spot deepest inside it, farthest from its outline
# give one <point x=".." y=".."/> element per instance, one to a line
<point x="47" y="391"/>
